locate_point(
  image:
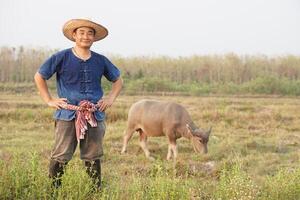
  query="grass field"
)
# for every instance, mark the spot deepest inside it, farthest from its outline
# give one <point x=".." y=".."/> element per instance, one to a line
<point x="254" y="153"/>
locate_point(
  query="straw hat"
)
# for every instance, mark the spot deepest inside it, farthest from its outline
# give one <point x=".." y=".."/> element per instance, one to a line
<point x="71" y="25"/>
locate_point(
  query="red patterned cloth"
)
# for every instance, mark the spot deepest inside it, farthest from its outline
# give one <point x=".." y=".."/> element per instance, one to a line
<point x="84" y="114"/>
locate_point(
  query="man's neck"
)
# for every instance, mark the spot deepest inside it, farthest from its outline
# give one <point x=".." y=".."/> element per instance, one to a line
<point x="83" y="53"/>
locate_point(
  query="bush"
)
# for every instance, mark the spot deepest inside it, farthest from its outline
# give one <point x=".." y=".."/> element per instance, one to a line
<point x="285" y="185"/>
<point x="152" y="84"/>
<point x="235" y="184"/>
<point x="24" y="180"/>
<point x="272" y="85"/>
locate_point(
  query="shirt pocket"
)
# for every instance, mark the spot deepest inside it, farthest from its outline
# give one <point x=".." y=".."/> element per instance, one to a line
<point x="71" y="75"/>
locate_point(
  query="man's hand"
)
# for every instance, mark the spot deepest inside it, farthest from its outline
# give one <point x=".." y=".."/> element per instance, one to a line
<point x="109" y="100"/>
<point x="56" y="103"/>
<point x="105" y="103"/>
<point x="44" y="92"/>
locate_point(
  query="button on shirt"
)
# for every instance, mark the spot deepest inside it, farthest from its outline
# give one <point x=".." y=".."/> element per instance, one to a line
<point x="78" y="80"/>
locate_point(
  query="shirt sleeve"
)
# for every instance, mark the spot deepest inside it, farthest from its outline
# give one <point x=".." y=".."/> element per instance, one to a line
<point x="49" y="67"/>
<point x="111" y="72"/>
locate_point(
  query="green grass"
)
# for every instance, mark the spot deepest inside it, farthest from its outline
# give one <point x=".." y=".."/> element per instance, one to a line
<point x="254" y="153"/>
<point x="262" y="85"/>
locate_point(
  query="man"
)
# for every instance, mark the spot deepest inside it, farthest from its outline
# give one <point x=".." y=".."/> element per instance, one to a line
<point x="80" y="105"/>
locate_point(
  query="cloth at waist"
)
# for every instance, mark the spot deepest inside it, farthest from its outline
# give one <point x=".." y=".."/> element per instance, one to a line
<point x="84" y="115"/>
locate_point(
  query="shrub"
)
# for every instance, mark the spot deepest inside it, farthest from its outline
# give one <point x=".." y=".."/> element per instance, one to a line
<point x="235" y="184"/>
<point x="285" y="185"/>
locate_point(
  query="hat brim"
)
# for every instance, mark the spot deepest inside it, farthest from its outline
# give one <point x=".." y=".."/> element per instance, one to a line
<point x="71" y="25"/>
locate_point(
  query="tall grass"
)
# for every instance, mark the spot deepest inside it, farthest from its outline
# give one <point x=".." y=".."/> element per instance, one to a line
<point x="236" y="184"/>
<point x="285" y="184"/>
<point x="253" y="153"/>
<point x="25" y="178"/>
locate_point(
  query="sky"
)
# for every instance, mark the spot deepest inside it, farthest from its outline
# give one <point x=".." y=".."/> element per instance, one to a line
<point x="159" y="27"/>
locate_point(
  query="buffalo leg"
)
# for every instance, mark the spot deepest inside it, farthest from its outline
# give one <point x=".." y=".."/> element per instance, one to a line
<point x="172" y="148"/>
<point x="128" y="134"/>
<point x="143" y="144"/>
<point x="169" y="152"/>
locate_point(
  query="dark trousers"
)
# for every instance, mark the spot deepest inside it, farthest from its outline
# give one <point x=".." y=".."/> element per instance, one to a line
<point x="65" y="145"/>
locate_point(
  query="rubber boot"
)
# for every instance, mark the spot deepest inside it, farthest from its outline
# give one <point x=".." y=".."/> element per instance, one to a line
<point x="93" y="168"/>
<point x="56" y="170"/>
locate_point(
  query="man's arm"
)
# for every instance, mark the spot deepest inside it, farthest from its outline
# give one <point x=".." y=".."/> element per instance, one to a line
<point x="114" y="93"/>
<point x="44" y="92"/>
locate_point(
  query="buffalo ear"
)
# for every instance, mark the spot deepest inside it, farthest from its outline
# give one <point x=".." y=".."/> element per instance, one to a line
<point x="208" y="132"/>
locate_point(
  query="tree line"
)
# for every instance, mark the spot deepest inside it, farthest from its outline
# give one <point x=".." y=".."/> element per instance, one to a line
<point x="18" y="65"/>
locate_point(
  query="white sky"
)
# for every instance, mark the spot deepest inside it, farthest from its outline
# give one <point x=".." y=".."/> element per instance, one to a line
<point x="159" y="27"/>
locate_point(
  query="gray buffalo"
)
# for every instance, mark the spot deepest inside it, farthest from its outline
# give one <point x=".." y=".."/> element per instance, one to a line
<point x="157" y="118"/>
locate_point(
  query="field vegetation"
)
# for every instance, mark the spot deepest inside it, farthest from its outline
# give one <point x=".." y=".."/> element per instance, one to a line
<point x="253" y="153"/>
<point x="251" y="102"/>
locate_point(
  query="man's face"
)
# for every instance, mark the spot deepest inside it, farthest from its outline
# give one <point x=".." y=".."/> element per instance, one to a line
<point x="84" y="37"/>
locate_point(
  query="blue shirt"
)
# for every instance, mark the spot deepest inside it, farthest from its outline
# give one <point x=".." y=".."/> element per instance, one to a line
<point x="78" y="80"/>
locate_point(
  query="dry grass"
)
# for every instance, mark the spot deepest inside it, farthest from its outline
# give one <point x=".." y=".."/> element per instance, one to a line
<point x="259" y="135"/>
